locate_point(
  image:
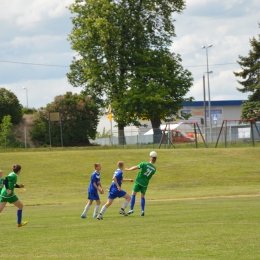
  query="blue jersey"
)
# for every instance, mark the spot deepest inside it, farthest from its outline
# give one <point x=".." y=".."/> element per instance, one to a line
<point x="95" y="178"/>
<point x="119" y="176"/>
<point x="113" y="191"/>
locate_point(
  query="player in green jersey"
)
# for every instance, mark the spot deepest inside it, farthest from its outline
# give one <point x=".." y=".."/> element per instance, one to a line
<point x="7" y="194"/>
<point x="1" y="180"/>
<point x="147" y="170"/>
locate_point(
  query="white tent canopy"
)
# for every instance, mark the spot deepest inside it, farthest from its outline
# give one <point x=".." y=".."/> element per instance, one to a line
<point x="162" y="127"/>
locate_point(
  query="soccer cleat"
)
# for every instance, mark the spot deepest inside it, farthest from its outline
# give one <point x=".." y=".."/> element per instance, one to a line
<point x="83" y="216"/>
<point x="142" y="214"/>
<point x="99" y="217"/>
<point x="122" y="212"/>
<point x="23" y="223"/>
<point x="95" y="216"/>
<point x="130" y="212"/>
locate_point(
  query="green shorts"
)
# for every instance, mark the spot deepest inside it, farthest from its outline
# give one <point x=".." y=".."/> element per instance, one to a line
<point x="137" y="187"/>
<point x="10" y="200"/>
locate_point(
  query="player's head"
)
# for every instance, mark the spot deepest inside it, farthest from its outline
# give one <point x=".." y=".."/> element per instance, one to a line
<point x="97" y="166"/>
<point x="17" y="168"/>
<point x="153" y="156"/>
<point x="1" y="173"/>
<point x="120" y="164"/>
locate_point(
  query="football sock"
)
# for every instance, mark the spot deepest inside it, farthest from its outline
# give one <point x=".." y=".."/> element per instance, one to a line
<point x="142" y="203"/>
<point x="96" y="209"/>
<point x="86" y="209"/>
<point x="124" y="204"/>
<point x="132" y="204"/>
<point x="19" y="216"/>
<point x="103" y="210"/>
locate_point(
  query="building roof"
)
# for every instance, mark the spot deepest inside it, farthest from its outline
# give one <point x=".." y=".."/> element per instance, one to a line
<point x="213" y="103"/>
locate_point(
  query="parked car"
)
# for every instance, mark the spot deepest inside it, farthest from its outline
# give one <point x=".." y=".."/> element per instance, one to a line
<point x="179" y="137"/>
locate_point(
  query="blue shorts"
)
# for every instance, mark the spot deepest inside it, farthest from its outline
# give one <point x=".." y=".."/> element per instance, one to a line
<point x="93" y="195"/>
<point x="113" y="194"/>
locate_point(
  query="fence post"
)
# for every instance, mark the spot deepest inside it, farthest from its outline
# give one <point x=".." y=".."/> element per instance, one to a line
<point x="252" y="132"/>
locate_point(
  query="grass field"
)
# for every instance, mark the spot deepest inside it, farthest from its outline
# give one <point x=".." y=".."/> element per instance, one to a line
<point x="201" y="204"/>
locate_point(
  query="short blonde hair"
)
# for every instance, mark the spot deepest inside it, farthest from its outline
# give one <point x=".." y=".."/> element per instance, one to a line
<point x="120" y="164"/>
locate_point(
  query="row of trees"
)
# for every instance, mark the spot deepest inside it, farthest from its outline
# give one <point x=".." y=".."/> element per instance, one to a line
<point x="79" y="120"/>
<point x="77" y="124"/>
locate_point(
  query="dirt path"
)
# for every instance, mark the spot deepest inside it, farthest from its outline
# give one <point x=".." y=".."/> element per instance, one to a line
<point x="210" y="197"/>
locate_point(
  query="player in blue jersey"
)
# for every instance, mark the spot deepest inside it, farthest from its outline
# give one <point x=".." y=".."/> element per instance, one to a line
<point x="115" y="191"/>
<point x="93" y="188"/>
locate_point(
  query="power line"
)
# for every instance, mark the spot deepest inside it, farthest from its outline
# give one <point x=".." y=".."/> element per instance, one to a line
<point x="66" y="66"/>
<point x="211" y="65"/>
<point x="35" y="64"/>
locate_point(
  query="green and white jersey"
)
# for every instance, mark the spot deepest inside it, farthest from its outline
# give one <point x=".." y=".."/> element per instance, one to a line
<point x="147" y="170"/>
<point x="12" y="179"/>
<point x="1" y="184"/>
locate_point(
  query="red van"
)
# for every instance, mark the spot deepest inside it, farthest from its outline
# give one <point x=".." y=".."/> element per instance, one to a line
<point x="181" y="137"/>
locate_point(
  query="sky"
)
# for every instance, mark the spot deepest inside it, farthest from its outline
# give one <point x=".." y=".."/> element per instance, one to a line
<point x="35" y="54"/>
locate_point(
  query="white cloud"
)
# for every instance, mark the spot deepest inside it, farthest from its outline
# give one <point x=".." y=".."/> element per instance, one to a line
<point x="27" y="14"/>
<point x="38" y="43"/>
<point x="40" y="92"/>
<point x="223" y="86"/>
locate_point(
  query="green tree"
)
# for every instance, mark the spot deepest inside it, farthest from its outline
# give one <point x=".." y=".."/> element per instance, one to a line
<point x="166" y="85"/>
<point x="79" y="119"/>
<point x="121" y="45"/>
<point x="9" y="105"/>
<point x="5" y="131"/>
<point x="251" y="80"/>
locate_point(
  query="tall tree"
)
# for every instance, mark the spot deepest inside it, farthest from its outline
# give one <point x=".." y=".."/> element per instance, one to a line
<point x="251" y="80"/>
<point x="79" y="119"/>
<point x="119" y="44"/>
<point x="9" y="105"/>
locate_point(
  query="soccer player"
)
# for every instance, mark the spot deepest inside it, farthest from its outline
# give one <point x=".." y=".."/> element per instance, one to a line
<point x="7" y="194"/>
<point x="115" y="191"/>
<point x="147" y="170"/>
<point x="93" y="188"/>
<point x="1" y="180"/>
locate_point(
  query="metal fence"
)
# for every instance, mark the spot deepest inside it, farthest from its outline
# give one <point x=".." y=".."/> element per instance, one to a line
<point x="232" y="134"/>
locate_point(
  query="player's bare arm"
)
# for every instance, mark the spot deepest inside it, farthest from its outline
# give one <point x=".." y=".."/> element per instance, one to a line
<point x="98" y="187"/>
<point x="101" y="190"/>
<point x="116" y="182"/>
<point x="132" y="168"/>
<point x="130" y="180"/>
